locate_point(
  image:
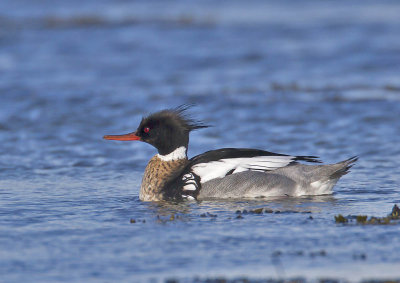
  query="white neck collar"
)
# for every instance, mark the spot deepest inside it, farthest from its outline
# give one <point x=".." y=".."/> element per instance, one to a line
<point x="178" y="153"/>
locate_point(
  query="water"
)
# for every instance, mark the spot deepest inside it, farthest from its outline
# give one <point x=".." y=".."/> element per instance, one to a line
<point x="305" y="78"/>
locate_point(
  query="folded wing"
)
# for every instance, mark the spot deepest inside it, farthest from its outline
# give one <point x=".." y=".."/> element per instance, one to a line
<point x="222" y="162"/>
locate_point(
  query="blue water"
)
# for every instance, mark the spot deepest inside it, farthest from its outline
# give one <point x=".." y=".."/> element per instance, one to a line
<point x="306" y="78"/>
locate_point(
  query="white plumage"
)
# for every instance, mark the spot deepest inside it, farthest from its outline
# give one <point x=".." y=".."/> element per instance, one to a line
<point x="219" y="169"/>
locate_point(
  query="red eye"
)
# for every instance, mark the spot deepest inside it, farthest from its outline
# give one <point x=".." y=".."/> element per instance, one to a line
<point x="146" y="130"/>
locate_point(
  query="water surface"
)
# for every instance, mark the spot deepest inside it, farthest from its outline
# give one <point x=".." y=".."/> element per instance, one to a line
<point x="304" y="78"/>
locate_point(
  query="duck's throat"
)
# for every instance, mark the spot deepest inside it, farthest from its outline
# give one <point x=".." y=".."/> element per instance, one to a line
<point x="179" y="153"/>
<point x="158" y="171"/>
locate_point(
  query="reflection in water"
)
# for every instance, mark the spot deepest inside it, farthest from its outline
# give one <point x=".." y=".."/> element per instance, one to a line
<point x="278" y="204"/>
<point x="289" y="204"/>
<point x="164" y="208"/>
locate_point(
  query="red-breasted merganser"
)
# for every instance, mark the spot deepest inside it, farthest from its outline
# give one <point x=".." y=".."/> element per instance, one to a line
<point x="223" y="173"/>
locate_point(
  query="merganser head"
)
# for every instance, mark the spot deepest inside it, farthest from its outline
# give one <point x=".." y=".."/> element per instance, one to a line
<point x="166" y="130"/>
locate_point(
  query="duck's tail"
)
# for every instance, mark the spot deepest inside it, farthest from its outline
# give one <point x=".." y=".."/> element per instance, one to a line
<point x="343" y="167"/>
<point x="324" y="177"/>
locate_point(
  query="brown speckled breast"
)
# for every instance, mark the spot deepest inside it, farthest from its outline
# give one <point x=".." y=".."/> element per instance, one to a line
<point x="155" y="176"/>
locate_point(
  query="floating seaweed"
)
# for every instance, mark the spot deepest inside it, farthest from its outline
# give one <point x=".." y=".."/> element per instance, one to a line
<point x="208" y="214"/>
<point x="395" y="212"/>
<point x="340" y="219"/>
<point x="133" y="220"/>
<point x="392" y="218"/>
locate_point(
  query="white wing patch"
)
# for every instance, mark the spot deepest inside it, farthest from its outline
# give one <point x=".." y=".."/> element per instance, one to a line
<point x="219" y="169"/>
<point x="190" y="182"/>
<point x="188" y="197"/>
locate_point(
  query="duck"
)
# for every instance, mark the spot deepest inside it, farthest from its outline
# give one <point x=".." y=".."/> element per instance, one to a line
<point x="226" y="173"/>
